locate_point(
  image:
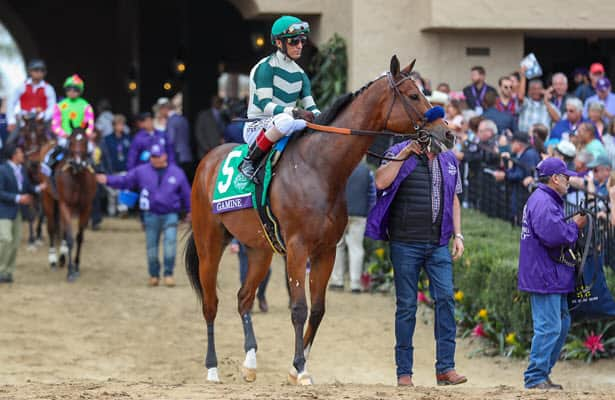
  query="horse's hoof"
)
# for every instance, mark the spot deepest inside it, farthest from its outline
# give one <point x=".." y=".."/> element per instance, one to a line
<point x="302" y="379"/>
<point x="305" y="379"/>
<point x="212" y="375"/>
<point x="31" y="248"/>
<point x="38" y="243"/>
<point x="62" y="260"/>
<point x="249" y="374"/>
<point x="72" y="277"/>
<point x="53" y="267"/>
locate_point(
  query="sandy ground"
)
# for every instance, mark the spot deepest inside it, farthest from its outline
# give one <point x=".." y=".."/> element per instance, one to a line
<point x="109" y="336"/>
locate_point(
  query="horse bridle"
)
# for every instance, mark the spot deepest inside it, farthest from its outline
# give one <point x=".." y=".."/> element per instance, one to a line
<point x="421" y="135"/>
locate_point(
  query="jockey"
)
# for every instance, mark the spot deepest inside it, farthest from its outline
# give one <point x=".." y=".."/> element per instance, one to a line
<point x="34" y="95"/>
<point x="70" y="113"/>
<point x="276" y="83"/>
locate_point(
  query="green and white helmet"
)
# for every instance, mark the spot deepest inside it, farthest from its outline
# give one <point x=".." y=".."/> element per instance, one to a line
<point x="288" y="26"/>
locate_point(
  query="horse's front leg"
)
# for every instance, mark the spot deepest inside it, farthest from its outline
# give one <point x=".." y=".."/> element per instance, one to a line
<point x="320" y="272"/>
<point x="67" y="230"/>
<point x="297" y="256"/>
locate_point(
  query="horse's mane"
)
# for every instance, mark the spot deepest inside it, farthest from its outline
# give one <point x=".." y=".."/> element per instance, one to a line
<point x="340" y="104"/>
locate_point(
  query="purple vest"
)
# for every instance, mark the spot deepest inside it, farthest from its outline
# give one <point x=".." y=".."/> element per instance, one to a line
<point x="378" y="218"/>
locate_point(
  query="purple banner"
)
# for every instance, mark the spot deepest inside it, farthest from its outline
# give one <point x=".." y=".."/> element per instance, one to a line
<point x="232" y="203"/>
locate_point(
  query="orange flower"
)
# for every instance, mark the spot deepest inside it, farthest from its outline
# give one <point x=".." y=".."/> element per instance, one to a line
<point x="64" y="106"/>
<point x="72" y="115"/>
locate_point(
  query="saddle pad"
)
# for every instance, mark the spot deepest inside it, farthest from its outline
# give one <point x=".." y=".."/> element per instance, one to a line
<point x="233" y="190"/>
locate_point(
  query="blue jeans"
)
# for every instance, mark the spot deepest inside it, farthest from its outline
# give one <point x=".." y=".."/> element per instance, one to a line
<point x="408" y="259"/>
<point x="551" y="325"/>
<point x="156" y="225"/>
<point x="243" y="272"/>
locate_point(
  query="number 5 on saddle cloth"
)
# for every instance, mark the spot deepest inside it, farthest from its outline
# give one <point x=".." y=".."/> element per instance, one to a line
<point x="234" y="191"/>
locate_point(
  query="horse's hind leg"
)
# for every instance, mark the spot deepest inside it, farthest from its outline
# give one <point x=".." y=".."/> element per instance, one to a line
<point x="320" y="272"/>
<point x="83" y="222"/>
<point x="39" y="224"/>
<point x="259" y="261"/>
<point x="210" y="241"/>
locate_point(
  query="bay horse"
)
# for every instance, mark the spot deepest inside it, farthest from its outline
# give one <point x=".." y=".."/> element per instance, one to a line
<point x="33" y="134"/>
<point x="75" y="187"/>
<point x="308" y="198"/>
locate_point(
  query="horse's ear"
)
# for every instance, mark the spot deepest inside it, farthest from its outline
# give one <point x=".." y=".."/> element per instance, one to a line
<point x="394" y="66"/>
<point x="411" y="65"/>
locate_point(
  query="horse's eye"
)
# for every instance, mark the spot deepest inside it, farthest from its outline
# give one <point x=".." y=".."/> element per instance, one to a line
<point x="414" y="96"/>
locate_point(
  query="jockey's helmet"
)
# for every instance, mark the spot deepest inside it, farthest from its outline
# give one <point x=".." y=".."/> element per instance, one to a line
<point x="288" y="26"/>
<point x="74" y="82"/>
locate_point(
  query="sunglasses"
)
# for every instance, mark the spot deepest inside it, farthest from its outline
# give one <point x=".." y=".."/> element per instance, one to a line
<point x="506" y="87"/>
<point x="570" y="110"/>
<point x="296" y="40"/>
<point x="75" y="88"/>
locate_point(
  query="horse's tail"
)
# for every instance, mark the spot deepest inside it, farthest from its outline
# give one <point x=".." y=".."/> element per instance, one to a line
<point x="191" y="258"/>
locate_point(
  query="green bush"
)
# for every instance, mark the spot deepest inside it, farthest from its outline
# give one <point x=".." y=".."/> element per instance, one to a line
<point x="328" y="70"/>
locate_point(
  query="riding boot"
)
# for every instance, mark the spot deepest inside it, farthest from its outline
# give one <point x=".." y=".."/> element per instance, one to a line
<point x="250" y="163"/>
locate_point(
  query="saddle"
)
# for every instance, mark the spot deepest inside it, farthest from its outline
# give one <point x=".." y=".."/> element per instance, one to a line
<point x="234" y="191"/>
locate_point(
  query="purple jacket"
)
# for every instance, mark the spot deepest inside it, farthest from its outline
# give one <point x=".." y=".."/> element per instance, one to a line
<point x="142" y="142"/>
<point x="378" y="218"/>
<point x="178" y="132"/>
<point x="164" y="193"/>
<point x="543" y="233"/>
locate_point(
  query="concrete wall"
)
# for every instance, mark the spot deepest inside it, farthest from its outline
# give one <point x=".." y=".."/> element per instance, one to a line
<point x="437" y="32"/>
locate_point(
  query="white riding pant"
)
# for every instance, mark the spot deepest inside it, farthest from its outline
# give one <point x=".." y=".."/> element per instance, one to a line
<point x="283" y="123"/>
<point x="350" y="252"/>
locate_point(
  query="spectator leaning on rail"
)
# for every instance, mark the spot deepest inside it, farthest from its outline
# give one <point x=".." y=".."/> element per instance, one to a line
<point x="544" y="232"/>
<point x="164" y="193"/>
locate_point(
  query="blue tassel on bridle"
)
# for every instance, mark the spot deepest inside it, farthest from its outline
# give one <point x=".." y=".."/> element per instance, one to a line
<point x="434" y="113"/>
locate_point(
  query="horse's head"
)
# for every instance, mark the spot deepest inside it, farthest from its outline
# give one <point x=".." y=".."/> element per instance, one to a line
<point x="33" y="136"/>
<point x="406" y="110"/>
<point x="78" y="148"/>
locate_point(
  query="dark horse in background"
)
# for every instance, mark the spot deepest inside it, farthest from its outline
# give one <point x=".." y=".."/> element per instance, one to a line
<point x="34" y="135"/>
<point x="307" y="196"/>
<point x="71" y="193"/>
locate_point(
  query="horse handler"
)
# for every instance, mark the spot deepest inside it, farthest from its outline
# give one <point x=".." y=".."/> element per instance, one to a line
<point x="544" y="234"/>
<point x="164" y="193"/>
<point x="418" y="211"/>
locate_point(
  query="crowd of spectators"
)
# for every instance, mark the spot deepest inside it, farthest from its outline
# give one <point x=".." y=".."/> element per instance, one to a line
<point x="503" y="131"/>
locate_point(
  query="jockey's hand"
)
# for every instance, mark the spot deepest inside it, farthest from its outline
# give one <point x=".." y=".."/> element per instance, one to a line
<point x="188" y="218"/>
<point x="299" y="113"/>
<point x="11" y="127"/>
<point x="235" y="248"/>
<point x="41" y="187"/>
<point x="101" y="178"/>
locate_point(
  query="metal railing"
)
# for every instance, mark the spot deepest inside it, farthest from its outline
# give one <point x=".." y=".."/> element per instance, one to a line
<point x="505" y="200"/>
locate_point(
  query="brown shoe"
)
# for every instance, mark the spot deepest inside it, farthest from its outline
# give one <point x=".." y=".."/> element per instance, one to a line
<point x="169" y="281"/>
<point x="554" y="385"/>
<point x="450" y="378"/>
<point x="546" y="386"/>
<point x="153" y="281"/>
<point x="405" y="380"/>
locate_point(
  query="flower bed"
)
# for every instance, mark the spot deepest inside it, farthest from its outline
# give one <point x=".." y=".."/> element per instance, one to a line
<point x="489" y="306"/>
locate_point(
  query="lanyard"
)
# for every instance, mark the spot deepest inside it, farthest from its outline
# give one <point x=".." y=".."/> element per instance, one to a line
<point x="479" y="97"/>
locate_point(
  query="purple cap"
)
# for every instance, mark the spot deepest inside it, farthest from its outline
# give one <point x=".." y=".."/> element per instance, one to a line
<point x="603" y="84"/>
<point x="156" y="150"/>
<point x="551" y="166"/>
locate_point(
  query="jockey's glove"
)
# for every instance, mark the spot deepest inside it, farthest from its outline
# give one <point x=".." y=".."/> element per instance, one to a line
<point x="299" y="113"/>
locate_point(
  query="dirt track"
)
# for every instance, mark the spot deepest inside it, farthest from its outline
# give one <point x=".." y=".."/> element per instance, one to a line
<point x="109" y="336"/>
